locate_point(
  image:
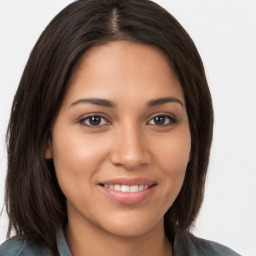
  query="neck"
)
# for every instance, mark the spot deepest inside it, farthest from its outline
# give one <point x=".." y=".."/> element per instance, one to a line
<point x="91" y="240"/>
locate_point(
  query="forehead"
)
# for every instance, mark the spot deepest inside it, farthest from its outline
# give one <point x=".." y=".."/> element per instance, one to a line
<point x="126" y="68"/>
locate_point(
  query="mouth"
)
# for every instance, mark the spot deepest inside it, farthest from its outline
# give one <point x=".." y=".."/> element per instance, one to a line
<point x="128" y="191"/>
<point x="127" y="188"/>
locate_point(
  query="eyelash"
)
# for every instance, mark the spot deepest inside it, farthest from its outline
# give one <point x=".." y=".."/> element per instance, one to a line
<point x="172" y="121"/>
<point x="89" y="118"/>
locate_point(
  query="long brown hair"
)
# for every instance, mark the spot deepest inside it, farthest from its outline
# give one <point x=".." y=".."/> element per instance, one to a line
<point x="35" y="204"/>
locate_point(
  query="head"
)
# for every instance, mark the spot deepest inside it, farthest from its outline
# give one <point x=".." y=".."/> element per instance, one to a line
<point x="36" y="204"/>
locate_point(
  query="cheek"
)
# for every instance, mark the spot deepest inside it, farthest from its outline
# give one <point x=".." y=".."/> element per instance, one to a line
<point x="174" y="152"/>
<point x="75" y="158"/>
<point x="173" y="156"/>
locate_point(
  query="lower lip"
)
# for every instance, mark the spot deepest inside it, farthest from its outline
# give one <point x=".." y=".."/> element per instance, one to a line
<point x="128" y="198"/>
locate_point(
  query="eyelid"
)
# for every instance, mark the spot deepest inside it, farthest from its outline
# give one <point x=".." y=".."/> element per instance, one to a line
<point x="101" y="115"/>
<point x="172" y="118"/>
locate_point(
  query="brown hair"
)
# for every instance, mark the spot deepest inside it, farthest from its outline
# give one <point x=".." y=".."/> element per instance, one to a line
<point x="35" y="204"/>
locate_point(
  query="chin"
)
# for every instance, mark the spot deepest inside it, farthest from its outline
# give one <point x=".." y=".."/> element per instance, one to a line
<point x="131" y="226"/>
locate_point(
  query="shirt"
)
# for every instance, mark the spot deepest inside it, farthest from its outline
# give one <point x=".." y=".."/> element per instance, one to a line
<point x="185" y="244"/>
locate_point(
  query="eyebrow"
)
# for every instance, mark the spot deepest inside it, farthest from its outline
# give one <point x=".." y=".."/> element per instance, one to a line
<point x="108" y="103"/>
<point x="161" y="101"/>
<point x="95" y="101"/>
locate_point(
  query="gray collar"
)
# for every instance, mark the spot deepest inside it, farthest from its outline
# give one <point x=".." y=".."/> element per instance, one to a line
<point x="63" y="247"/>
<point x="184" y="244"/>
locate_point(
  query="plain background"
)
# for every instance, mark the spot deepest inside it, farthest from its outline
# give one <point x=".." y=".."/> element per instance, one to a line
<point x="225" y="34"/>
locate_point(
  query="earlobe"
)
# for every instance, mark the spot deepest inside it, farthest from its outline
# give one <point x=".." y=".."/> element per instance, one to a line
<point x="48" y="150"/>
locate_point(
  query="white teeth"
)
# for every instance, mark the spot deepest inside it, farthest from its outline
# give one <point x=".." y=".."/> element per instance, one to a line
<point x="117" y="187"/>
<point x="141" y="187"/>
<point x="126" y="188"/>
<point x="134" y="188"/>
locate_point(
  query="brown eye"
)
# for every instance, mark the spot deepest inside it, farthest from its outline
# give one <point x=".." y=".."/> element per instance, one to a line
<point x="159" y="120"/>
<point x="162" y="120"/>
<point x="93" y="121"/>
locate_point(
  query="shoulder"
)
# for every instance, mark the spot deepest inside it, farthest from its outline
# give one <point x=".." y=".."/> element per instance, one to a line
<point x="188" y="244"/>
<point x="20" y="247"/>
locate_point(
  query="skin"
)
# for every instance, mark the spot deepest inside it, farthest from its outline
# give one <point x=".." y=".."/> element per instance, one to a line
<point x="128" y="142"/>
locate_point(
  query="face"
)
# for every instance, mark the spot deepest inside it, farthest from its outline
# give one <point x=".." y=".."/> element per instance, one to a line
<point x="121" y="141"/>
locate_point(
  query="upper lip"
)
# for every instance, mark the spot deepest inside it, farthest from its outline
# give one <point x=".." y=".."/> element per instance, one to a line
<point x="129" y="181"/>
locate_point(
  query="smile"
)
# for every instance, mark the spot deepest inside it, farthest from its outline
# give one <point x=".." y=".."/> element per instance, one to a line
<point x="128" y="191"/>
<point x="126" y="188"/>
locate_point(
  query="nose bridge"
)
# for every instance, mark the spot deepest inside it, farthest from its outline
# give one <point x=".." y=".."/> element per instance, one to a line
<point x="129" y="149"/>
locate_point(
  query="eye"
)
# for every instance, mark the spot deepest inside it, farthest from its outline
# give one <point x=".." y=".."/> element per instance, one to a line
<point x="162" y="120"/>
<point x="93" y="121"/>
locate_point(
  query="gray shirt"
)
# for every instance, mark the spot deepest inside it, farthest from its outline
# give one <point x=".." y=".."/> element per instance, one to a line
<point x="185" y="244"/>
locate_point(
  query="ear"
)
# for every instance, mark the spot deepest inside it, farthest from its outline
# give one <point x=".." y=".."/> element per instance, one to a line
<point x="48" y="149"/>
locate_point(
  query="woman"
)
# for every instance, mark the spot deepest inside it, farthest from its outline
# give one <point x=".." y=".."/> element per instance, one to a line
<point x="109" y="136"/>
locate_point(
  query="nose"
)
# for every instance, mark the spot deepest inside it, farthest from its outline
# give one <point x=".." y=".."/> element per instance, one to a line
<point x="130" y="149"/>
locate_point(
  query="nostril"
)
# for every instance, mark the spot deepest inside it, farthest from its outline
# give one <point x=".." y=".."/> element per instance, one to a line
<point x="129" y="162"/>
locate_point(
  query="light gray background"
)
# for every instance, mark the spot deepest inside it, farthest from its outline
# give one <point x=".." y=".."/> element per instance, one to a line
<point x="225" y="34"/>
